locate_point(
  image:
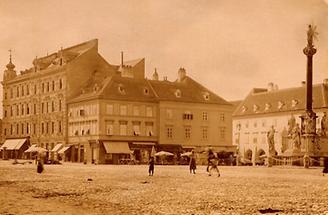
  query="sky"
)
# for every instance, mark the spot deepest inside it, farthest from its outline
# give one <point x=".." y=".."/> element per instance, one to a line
<point x="229" y="46"/>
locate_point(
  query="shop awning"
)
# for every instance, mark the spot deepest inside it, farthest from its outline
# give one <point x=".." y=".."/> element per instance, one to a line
<point x="32" y="148"/>
<point x="117" y="147"/>
<point x="13" y="144"/>
<point x="63" y="150"/>
<point x="144" y="143"/>
<point x="57" y="147"/>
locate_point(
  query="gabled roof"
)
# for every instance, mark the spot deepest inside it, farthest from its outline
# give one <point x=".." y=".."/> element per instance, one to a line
<point x="189" y="90"/>
<point x="290" y="99"/>
<point x="131" y="89"/>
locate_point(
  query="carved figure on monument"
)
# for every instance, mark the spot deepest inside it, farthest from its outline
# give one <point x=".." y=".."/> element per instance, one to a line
<point x="309" y="123"/>
<point x="324" y="124"/>
<point x="291" y="124"/>
<point x="270" y="138"/>
<point x="296" y="137"/>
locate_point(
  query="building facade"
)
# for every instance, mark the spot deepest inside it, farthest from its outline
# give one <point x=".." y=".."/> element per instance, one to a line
<point x="78" y="106"/>
<point x="263" y="109"/>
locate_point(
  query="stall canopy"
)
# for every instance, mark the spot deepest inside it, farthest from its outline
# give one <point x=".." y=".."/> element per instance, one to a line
<point x="35" y="148"/>
<point x="57" y="147"/>
<point x="63" y="150"/>
<point x="13" y="144"/>
<point x="117" y="147"/>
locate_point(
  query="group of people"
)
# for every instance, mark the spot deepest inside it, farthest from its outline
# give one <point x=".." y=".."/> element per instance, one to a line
<point x="212" y="164"/>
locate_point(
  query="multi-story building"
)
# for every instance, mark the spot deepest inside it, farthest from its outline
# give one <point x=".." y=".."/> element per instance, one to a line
<point x="76" y="104"/>
<point x="122" y="115"/>
<point x="264" y="108"/>
<point x="34" y="101"/>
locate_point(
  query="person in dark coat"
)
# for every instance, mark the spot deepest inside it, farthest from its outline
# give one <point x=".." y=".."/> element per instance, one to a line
<point x="192" y="163"/>
<point x="325" y="166"/>
<point x="151" y="166"/>
<point x="39" y="167"/>
<point x="210" y="156"/>
<point x="213" y="164"/>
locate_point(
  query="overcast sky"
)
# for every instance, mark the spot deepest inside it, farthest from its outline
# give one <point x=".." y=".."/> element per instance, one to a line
<point x="230" y="46"/>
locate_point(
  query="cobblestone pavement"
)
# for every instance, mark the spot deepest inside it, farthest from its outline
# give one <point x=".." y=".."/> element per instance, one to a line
<point x="65" y="189"/>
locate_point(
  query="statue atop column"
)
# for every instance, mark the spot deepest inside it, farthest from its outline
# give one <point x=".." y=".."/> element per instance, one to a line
<point x="270" y="138"/>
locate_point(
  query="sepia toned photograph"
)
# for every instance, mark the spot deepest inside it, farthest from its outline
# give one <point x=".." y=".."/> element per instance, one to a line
<point x="163" y="107"/>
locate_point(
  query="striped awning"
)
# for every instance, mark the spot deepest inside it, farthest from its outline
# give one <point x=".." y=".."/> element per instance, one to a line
<point x="117" y="147"/>
<point x="64" y="149"/>
<point x="13" y="144"/>
<point x="57" y="147"/>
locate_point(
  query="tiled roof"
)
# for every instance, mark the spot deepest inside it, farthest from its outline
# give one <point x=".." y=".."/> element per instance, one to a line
<point x="131" y="89"/>
<point x="290" y="99"/>
<point x="190" y="90"/>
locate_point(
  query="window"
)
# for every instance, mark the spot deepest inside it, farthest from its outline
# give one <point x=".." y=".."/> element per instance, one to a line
<point x="5" y="95"/>
<point x="11" y="111"/>
<point x="22" y="90"/>
<point x="255" y="124"/>
<point x="22" y="128"/>
<point x="136" y="128"/>
<point x="59" y="127"/>
<point x="60" y="84"/>
<point x="246" y="124"/>
<point x="27" y="109"/>
<point x="222" y="132"/>
<point x="149" y="111"/>
<point x="169" y="114"/>
<point x="42" y="87"/>
<point x="263" y="123"/>
<point x="188" y="116"/>
<point x="52" y="106"/>
<point x="48" y="87"/>
<point x="17" y="91"/>
<point x="60" y="105"/>
<point x="42" y="128"/>
<point x="34" y="109"/>
<point x="177" y="93"/>
<point x="187" y="132"/>
<point x="146" y="91"/>
<point x="149" y="129"/>
<point x="109" y="109"/>
<point x="11" y="129"/>
<point x="47" y="127"/>
<point x="53" y="85"/>
<point x="82" y="112"/>
<point x="17" y="110"/>
<point x="11" y="93"/>
<point x="204" y="133"/>
<point x="222" y="117"/>
<point x="255" y="140"/>
<point x="123" y="128"/>
<point x="34" y="128"/>
<point x="5" y="113"/>
<point x="35" y="89"/>
<point x="47" y="107"/>
<point x="123" y="110"/>
<point x="109" y="128"/>
<point x="22" y="109"/>
<point x="136" y="110"/>
<point x="205" y="116"/>
<point x="17" y="128"/>
<point x="5" y="131"/>
<point x="52" y="127"/>
<point x="169" y="132"/>
<point x="27" y="90"/>
<point x="42" y="107"/>
<point x="27" y="128"/>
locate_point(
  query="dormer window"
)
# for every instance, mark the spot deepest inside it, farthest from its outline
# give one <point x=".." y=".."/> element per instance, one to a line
<point x="267" y="107"/>
<point x="178" y="93"/>
<point x="243" y="109"/>
<point x="294" y="103"/>
<point x="146" y="91"/>
<point x="95" y="88"/>
<point x="121" y="89"/>
<point x="281" y="105"/>
<point x="206" y="96"/>
<point x="256" y="108"/>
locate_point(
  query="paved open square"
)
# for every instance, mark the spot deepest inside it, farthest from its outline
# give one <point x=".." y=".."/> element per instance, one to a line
<point x="127" y="189"/>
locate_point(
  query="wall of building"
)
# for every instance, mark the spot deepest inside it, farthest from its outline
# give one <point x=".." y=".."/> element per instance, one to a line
<point x="209" y="124"/>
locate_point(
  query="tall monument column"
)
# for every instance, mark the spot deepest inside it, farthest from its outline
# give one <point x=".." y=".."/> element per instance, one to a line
<point x="308" y="119"/>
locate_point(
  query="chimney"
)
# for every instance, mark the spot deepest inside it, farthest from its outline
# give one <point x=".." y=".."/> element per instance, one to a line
<point x="270" y="87"/>
<point x="303" y="84"/>
<point x="155" y="75"/>
<point x="165" y="78"/>
<point x="121" y="59"/>
<point x="181" y="74"/>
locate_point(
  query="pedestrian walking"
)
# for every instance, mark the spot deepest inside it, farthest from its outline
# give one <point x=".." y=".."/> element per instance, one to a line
<point x="39" y="167"/>
<point x="210" y="156"/>
<point x="213" y="165"/>
<point x="151" y="166"/>
<point x="192" y="163"/>
<point x="325" y="166"/>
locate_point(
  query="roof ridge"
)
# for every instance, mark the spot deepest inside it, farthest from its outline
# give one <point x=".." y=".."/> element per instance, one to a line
<point x="152" y="88"/>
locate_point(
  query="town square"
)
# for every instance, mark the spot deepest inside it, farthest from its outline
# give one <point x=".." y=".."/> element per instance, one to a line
<point x="164" y="107"/>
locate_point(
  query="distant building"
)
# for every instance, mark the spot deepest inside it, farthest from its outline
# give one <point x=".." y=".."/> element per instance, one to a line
<point x="79" y="106"/>
<point x="264" y="108"/>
